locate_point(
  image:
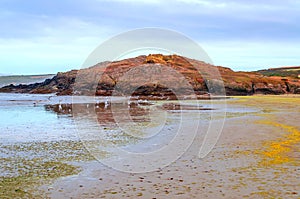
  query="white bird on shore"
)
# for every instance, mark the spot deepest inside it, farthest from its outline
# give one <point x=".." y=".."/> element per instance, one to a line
<point x="60" y="106"/>
<point x="128" y="103"/>
<point x="106" y="103"/>
<point x="97" y="104"/>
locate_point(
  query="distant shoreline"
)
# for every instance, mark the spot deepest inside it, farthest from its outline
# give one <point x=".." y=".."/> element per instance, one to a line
<point x="23" y="79"/>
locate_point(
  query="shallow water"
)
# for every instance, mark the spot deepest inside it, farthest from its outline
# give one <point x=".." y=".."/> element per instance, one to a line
<point x="30" y="118"/>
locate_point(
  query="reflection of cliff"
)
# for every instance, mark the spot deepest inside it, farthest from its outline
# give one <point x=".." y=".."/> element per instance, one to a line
<point x="114" y="77"/>
<point x="105" y="113"/>
<point x="138" y="110"/>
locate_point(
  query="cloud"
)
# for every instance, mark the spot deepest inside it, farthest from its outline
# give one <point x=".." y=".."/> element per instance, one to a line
<point x="61" y="33"/>
<point x="205" y="3"/>
<point x="41" y="56"/>
<point x="250" y="56"/>
<point x="134" y="1"/>
<point x="51" y="45"/>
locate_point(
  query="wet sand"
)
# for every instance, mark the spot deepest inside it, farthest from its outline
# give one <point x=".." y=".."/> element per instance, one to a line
<point x="257" y="156"/>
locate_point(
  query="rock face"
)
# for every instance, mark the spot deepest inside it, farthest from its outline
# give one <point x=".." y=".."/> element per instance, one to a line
<point x="132" y="76"/>
<point x="23" y="79"/>
<point x="61" y="84"/>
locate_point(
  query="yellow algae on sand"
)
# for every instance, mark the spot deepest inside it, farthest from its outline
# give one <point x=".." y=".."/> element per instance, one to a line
<point x="277" y="150"/>
<point x="273" y="172"/>
<point x="268" y="102"/>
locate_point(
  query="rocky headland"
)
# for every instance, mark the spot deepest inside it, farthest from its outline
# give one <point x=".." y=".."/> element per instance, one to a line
<point x="197" y="73"/>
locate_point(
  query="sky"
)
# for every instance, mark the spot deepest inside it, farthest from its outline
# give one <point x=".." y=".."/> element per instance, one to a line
<point x="39" y="37"/>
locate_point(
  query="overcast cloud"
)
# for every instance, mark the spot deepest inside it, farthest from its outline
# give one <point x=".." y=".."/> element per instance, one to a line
<point x="50" y="36"/>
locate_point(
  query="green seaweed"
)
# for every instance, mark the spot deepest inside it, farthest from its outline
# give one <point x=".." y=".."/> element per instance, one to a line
<point x="29" y="165"/>
<point x="37" y="173"/>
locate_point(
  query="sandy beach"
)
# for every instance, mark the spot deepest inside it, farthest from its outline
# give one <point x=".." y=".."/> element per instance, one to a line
<point x="257" y="156"/>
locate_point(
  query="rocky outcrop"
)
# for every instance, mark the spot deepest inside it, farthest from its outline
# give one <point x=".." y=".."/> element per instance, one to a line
<point x="61" y="84"/>
<point x="127" y="76"/>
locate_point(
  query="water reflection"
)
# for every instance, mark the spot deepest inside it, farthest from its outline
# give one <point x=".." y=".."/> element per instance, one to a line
<point x="138" y="111"/>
